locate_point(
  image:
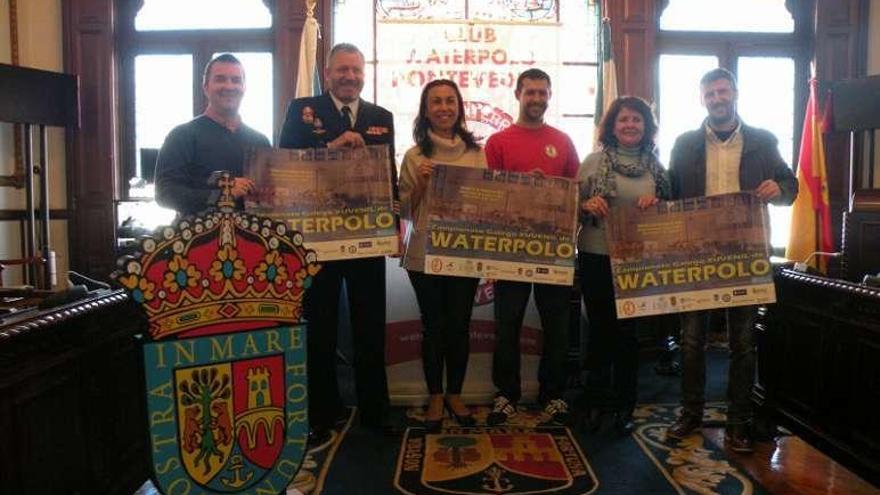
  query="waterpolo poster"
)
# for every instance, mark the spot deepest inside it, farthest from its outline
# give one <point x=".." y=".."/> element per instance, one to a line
<point x="501" y="225"/>
<point x="693" y="254"/>
<point x="340" y="200"/>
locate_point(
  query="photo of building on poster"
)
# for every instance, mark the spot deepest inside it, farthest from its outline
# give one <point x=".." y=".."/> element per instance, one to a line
<point x="501" y="225"/>
<point x="340" y="200"/>
<point x="694" y="254"/>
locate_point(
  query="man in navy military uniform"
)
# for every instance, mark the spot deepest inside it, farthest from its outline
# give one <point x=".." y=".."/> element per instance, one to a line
<point x="340" y="118"/>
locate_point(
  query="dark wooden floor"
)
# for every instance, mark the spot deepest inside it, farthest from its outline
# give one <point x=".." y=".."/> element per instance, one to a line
<point x="790" y="466"/>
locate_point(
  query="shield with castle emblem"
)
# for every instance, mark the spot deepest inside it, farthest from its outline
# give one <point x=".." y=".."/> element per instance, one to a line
<point x="225" y="356"/>
<point x="227" y="412"/>
<point x="493" y="460"/>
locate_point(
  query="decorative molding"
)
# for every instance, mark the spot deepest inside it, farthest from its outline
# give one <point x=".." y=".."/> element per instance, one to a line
<point x="47" y="319"/>
<point x="850" y="288"/>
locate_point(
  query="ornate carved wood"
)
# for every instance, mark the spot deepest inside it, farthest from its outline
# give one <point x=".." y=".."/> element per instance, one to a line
<point x="68" y="376"/>
<point x="818" y="355"/>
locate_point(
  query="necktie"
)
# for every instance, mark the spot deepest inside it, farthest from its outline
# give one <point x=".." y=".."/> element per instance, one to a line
<point x="346" y="117"/>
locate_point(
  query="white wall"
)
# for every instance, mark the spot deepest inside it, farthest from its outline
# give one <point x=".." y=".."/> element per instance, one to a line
<point x="39" y="46"/>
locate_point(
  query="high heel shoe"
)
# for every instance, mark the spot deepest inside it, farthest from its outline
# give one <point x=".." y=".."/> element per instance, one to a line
<point x="433" y="425"/>
<point x="462" y="419"/>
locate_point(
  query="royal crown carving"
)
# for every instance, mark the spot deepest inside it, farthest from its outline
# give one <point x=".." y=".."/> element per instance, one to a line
<point x="219" y="271"/>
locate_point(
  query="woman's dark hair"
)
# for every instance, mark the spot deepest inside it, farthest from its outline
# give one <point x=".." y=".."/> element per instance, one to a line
<point x="421" y="124"/>
<point x="636" y="104"/>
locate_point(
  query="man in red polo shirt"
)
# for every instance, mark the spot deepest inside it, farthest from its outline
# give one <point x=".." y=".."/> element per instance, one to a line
<point x="530" y="145"/>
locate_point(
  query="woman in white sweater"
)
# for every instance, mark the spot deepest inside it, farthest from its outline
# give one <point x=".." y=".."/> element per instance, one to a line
<point x="445" y="303"/>
<point x="625" y="172"/>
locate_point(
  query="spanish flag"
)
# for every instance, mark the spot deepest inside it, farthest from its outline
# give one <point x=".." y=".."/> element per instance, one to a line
<point x="811" y="213"/>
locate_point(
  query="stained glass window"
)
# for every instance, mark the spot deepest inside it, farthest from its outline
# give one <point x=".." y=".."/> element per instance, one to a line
<point x="482" y="45"/>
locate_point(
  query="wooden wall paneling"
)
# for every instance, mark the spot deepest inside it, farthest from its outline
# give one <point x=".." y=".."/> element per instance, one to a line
<point x="637" y="11"/>
<point x="865" y="422"/>
<point x="47" y="426"/>
<point x="638" y="53"/>
<point x="91" y="154"/>
<point x="634" y="32"/>
<point x="289" y="18"/>
<point x="840" y="48"/>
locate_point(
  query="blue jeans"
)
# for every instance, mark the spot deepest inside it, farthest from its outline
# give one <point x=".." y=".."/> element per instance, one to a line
<point x="741" y="374"/>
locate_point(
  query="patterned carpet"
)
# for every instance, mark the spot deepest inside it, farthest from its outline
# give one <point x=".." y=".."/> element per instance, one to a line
<point x="528" y="456"/>
<point x="525" y="457"/>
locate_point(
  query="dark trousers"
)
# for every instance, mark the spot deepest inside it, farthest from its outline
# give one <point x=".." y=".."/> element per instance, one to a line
<point x="741" y="374"/>
<point x="365" y="283"/>
<point x="612" y="346"/>
<point x="553" y="302"/>
<point x="445" y="304"/>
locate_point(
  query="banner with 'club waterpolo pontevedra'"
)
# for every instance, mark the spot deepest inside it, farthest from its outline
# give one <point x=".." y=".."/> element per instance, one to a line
<point x="693" y="254"/>
<point x="501" y="225"/>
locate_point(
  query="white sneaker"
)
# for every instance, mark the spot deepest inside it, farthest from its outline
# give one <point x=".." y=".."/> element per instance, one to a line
<point x="557" y="409"/>
<point x="502" y="410"/>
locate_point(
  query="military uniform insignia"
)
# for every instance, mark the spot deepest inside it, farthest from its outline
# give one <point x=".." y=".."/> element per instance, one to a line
<point x="550" y="151"/>
<point x="308" y="115"/>
<point x="376" y="130"/>
<point x="318" y="126"/>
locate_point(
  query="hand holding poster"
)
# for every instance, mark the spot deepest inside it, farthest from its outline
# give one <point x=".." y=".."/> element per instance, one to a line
<point x="688" y="255"/>
<point x="340" y="199"/>
<point x="501" y="225"/>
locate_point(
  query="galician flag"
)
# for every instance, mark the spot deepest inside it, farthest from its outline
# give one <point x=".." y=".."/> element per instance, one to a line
<point x="308" y="78"/>
<point x="607" y="92"/>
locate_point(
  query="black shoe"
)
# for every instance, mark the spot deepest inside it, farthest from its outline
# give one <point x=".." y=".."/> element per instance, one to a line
<point x="318" y="436"/>
<point x="502" y="410"/>
<point x="738" y="438"/>
<point x="672" y="368"/>
<point x="623" y="422"/>
<point x="593" y="419"/>
<point x="462" y="419"/>
<point x="684" y="426"/>
<point x="433" y="425"/>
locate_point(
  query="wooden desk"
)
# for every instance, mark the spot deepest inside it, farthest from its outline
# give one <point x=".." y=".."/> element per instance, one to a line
<point x="71" y="399"/>
<point x="819" y="365"/>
